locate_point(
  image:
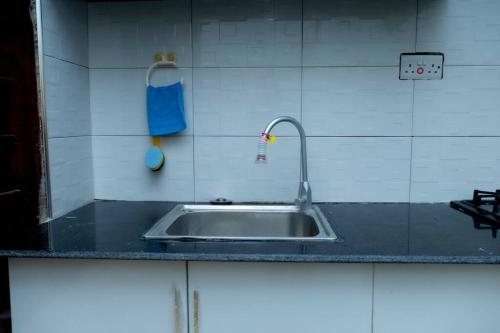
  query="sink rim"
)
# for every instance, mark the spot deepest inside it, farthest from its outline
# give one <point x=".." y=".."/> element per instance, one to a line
<point x="159" y="230"/>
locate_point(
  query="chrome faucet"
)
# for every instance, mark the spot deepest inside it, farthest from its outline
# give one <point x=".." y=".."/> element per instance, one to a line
<point x="304" y="196"/>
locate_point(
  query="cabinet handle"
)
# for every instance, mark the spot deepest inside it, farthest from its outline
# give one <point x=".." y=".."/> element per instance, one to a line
<point x="196" y="314"/>
<point x="177" y="309"/>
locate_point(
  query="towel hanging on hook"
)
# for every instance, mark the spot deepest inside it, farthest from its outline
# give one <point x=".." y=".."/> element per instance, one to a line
<point x="165" y="104"/>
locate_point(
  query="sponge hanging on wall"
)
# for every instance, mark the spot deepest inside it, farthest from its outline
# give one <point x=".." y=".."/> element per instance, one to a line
<point x="154" y="157"/>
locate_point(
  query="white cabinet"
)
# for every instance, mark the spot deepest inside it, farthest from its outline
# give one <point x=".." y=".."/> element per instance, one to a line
<point x="436" y="298"/>
<point x="98" y="296"/>
<point x="102" y="296"/>
<point x="280" y="297"/>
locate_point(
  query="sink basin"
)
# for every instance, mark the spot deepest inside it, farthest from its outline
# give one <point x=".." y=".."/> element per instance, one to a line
<point x="242" y="222"/>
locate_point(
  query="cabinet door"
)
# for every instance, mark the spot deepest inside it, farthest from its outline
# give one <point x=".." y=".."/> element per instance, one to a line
<point x="436" y="298"/>
<point x="279" y="297"/>
<point x="98" y="296"/>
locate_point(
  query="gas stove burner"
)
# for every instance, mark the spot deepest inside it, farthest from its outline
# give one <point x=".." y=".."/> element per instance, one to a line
<point x="484" y="208"/>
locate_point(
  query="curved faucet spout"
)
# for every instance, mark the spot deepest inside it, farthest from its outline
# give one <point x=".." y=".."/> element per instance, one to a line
<point x="304" y="196"/>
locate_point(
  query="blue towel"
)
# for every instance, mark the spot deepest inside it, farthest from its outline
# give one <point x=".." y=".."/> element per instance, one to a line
<point x="165" y="106"/>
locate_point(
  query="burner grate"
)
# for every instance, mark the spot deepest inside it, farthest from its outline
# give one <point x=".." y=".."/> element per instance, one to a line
<point x="484" y="205"/>
<point x="487" y="198"/>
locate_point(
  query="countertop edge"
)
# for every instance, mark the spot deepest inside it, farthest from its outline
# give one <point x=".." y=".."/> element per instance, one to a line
<point x="374" y="259"/>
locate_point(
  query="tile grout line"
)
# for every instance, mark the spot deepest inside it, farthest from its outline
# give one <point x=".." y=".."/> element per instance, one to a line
<point x="92" y="159"/>
<point x="301" y="62"/>
<point x="66" y="61"/>
<point x="416" y="24"/>
<point x="191" y="9"/>
<point x="373" y="297"/>
<point x="187" y="295"/>
<point x="293" y="136"/>
<point x="261" y="67"/>
<point x="270" y="67"/>
<point x="69" y="136"/>
<point x="411" y="143"/>
<point x="93" y="162"/>
<point x="408" y="229"/>
<point x="413" y="110"/>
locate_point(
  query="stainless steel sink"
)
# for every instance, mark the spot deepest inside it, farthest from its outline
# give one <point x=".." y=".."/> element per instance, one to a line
<point x="242" y="222"/>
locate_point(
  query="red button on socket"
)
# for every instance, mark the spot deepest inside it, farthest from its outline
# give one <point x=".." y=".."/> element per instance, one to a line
<point x="420" y="70"/>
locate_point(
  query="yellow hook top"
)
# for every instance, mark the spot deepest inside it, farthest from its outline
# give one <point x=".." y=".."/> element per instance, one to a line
<point x="171" y="56"/>
<point x="271" y="139"/>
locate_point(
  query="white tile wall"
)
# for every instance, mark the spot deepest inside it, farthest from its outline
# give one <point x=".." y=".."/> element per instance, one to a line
<point x="241" y="101"/>
<point x="247" y="33"/>
<point x="66" y="98"/>
<point x="128" y="34"/>
<point x="468" y="32"/>
<point x="120" y="173"/>
<point x="225" y="167"/>
<point x="64" y="24"/>
<point x="67" y="103"/>
<point x="359" y="169"/>
<point x="465" y="102"/>
<point x="446" y="168"/>
<point x="340" y="169"/>
<point x="118" y="99"/>
<point x="71" y="176"/>
<point x="331" y="64"/>
<point x="356" y="101"/>
<point x="358" y="32"/>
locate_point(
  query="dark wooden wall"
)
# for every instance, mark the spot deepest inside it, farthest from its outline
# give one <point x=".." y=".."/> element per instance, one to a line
<point x="19" y="137"/>
<point x="19" y="121"/>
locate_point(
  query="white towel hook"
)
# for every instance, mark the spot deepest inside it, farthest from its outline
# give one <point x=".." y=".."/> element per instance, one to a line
<point x="163" y="63"/>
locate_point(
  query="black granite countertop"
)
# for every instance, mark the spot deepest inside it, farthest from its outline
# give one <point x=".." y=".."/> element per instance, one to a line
<point x="371" y="232"/>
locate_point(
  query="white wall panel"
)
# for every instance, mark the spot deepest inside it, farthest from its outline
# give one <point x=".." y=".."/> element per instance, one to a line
<point x="445" y="169"/>
<point x="66" y="98"/>
<point x="225" y="167"/>
<point x="360" y="117"/>
<point x="128" y="34"/>
<point x="356" y="101"/>
<point x="67" y="105"/>
<point x="358" y="32"/>
<point x="64" y="30"/>
<point x="242" y="101"/>
<point x="464" y="103"/>
<point x="121" y="174"/>
<point x="247" y="33"/>
<point x="468" y="32"/>
<point x="71" y="175"/>
<point x="359" y="169"/>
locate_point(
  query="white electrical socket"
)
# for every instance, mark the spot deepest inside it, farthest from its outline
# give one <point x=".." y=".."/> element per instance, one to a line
<point x="421" y="66"/>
